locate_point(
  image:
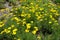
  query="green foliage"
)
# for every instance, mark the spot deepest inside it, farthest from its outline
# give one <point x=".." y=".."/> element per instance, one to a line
<point x="2" y="1"/>
<point x="2" y="6"/>
<point x="13" y="1"/>
<point x="57" y="1"/>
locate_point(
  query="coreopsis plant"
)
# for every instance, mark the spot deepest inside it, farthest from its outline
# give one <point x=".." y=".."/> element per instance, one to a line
<point x="33" y="20"/>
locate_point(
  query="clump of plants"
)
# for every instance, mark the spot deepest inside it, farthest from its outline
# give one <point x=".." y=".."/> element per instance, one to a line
<point x="56" y="1"/>
<point x="33" y="20"/>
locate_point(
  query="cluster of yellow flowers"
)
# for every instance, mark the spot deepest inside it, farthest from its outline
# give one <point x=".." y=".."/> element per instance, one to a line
<point x="34" y="31"/>
<point x="1" y="24"/>
<point x="30" y="17"/>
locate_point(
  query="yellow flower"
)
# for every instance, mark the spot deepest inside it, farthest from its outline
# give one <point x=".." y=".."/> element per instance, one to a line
<point x="28" y="15"/>
<point x="6" y="30"/>
<point x="10" y="13"/>
<point x="24" y="22"/>
<point x="34" y="31"/>
<point x="9" y="27"/>
<point x="1" y="24"/>
<point x="38" y="17"/>
<point x="18" y="23"/>
<point x="31" y="3"/>
<point x="16" y="8"/>
<point x="57" y="14"/>
<point x="15" y="38"/>
<point x="17" y="19"/>
<point x="23" y="14"/>
<point x="24" y="19"/>
<point x="50" y="22"/>
<point x="38" y="37"/>
<point x="26" y="30"/>
<point x="31" y="21"/>
<point x="4" y="14"/>
<point x="2" y="32"/>
<point x="14" y="15"/>
<point x="15" y="29"/>
<point x="36" y="28"/>
<point x="28" y="25"/>
<point x="33" y="10"/>
<point x="41" y="19"/>
<point x="14" y="33"/>
<point x="23" y="7"/>
<point x="41" y="9"/>
<point x="18" y="39"/>
<point x="55" y="21"/>
<point x="52" y="10"/>
<point x="12" y="25"/>
<point x="50" y="16"/>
